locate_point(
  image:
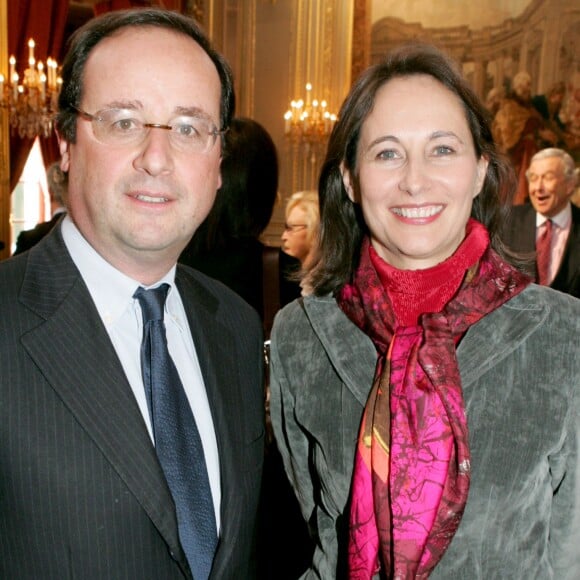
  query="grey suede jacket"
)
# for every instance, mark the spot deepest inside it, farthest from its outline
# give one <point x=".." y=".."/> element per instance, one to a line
<point x="520" y="372"/>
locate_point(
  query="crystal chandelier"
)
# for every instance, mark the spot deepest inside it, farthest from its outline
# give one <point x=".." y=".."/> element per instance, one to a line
<point x="307" y="126"/>
<point x="33" y="103"/>
<point x="308" y="121"/>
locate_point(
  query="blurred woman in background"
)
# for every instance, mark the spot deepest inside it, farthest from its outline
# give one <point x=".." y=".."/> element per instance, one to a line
<point x="301" y="227"/>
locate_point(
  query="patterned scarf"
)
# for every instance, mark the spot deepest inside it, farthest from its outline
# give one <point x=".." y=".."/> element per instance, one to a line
<point x="412" y="465"/>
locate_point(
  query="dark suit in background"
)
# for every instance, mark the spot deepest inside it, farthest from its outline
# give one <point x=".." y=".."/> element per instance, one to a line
<point x="521" y="237"/>
<point x="57" y="182"/>
<point x="82" y="494"/>
<point x="28" y="238"/>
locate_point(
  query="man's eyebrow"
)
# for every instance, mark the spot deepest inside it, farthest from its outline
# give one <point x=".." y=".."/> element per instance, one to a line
<point x="192" y="112"/>
<point x="132" y="105"/>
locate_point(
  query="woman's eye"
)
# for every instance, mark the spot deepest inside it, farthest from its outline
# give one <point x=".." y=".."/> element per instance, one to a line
<point x="387" y="154"/>
<point x="443" y="150"/>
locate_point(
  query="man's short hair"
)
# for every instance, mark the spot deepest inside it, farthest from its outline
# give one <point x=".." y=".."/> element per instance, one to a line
<point x="570" y="170"/>
<point x="85" y="39"/>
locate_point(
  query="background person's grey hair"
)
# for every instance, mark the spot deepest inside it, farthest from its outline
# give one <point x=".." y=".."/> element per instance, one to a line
<point x="571" y="172"/>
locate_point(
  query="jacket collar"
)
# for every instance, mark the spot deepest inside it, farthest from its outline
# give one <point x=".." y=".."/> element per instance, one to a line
<point x="485" y="344"/>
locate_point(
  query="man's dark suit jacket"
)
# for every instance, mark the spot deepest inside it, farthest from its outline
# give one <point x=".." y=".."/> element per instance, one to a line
<point x="521" y="237"/>
<point x="82" y="494"/>
<point x="28" y="238"/>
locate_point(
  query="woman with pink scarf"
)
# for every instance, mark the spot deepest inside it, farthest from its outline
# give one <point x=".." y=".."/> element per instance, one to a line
<point x="425" y="395"/>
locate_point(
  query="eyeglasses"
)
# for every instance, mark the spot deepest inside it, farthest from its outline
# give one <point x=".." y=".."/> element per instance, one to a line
<point x="125" y="128"/>
<point x="294" y="227"/>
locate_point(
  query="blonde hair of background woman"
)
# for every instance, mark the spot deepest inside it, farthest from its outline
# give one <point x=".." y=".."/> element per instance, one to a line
<point x="308" y="201"/>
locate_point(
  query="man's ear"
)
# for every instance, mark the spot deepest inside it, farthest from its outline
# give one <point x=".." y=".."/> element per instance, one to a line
<point x="347" y="181"/>
<point x="64" y="148"/>
<point x="220" y="180"/>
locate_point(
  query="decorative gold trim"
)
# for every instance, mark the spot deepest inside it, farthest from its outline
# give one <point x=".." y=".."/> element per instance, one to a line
<point x="247" y="61"/>
<point x="361" y="38"/>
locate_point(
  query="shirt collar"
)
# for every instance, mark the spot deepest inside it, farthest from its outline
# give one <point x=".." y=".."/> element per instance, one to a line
<point x="112" y="298"/>
<point x="561" y="219"/>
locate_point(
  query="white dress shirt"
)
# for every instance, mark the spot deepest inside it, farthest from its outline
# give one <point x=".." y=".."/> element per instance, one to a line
<point x="121" y="315"/>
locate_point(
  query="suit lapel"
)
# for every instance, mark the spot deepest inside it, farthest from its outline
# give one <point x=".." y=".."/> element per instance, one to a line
<point x="571" y="258"/>
<point x="74" y="353"/>
<point x="573" y="249"/>
<point x="528" y="229"/>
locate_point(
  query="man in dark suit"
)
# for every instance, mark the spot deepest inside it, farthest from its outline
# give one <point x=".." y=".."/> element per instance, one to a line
<point x="86" y="488"/>
<point x="550" y="216"/>
<point x="56" y="180"/>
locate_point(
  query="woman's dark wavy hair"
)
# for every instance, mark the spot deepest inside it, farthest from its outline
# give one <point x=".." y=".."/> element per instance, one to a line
<point x="245" y="202"/>
<point x="342" y="227"/>
<point x="88" y="36"/>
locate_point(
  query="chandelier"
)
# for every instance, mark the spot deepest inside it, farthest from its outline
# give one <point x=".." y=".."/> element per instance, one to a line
<point x="33" y="103"/>
<point x="308" y="121"/>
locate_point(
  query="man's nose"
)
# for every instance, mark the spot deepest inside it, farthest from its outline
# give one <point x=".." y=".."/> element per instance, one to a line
<point x="155" y="153"/>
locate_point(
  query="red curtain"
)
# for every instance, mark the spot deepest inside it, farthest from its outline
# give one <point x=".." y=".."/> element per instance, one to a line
<point x="45" y="22"/>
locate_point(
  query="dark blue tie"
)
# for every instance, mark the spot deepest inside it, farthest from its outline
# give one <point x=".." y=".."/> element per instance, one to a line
<point x="177" y="441"/>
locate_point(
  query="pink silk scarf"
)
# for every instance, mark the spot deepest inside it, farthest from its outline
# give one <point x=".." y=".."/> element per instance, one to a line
<point x="412" y="464"/>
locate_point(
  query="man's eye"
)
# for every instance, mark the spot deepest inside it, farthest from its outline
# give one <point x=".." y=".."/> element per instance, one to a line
<point x="125" y="125"/>
<point x="186" y="130"/>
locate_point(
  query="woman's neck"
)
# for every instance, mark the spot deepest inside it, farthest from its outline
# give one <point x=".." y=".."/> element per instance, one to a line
<point x="415" y="292"/>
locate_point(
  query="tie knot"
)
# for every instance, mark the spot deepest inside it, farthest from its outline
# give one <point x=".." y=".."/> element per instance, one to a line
<point x="152" y="302"/>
